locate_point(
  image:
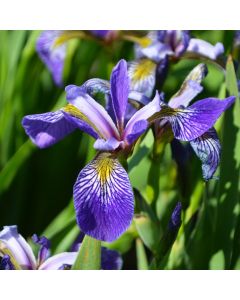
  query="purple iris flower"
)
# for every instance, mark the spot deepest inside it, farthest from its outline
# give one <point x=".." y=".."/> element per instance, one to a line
<point x="174" y="43"/>
<point x="194" y="123"/>
<point x="52" y="54"/>
<point x="51" y="47"/>
<point x="103" y="195"/>
<point x="154" y="51"/>
<point x="17" y="254"/>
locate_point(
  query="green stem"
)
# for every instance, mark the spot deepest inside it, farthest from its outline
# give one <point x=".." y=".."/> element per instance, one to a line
<point x="89" y="255"/>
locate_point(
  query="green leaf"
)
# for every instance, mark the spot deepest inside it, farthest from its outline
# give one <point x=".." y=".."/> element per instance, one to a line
<point x="148" y="231"/>
<point x="11" y="168"/>
<point x="89" y="255"/>
<point x="66" y="217"/>
<point x="217" y="261"/>
<point x="232" y="87"/>
<point x="141" y="205"/>
<point x="142" y="262"/>
<point x="228" y="197"/>
<point x="68" y="240"/>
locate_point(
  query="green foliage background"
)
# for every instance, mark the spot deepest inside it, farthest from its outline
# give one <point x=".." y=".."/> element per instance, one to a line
<point x="36" y="185"/>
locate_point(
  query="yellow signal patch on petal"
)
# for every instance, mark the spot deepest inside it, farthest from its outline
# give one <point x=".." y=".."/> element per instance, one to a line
<point x="142" y="41"/>
<point x="104" y="167"/>
<point x="143" y="69"/>
<point x="103" y="198"/>
<point x="142" y="75"/>
<point x="67" y="35"/>
<point x="75" y="112"/>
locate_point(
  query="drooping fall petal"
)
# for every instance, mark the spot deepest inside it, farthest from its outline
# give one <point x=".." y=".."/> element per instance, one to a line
<point x="103" y="198"/>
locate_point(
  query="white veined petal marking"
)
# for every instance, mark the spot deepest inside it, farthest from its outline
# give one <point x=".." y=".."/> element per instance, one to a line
<point x="103" y="198"/>
<point x="105" y="177"/>
<point x="142" y="75"/>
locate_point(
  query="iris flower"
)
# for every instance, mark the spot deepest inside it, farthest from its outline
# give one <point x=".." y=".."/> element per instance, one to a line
<point x="154" y="51"/>
<point x="103" y="195"/>
<point x="17" y="254"/>
<point x="51" y="47"/>
<point x="194" y="123"/>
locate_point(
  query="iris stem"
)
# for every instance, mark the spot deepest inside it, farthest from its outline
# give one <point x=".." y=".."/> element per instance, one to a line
<point x="89" y="255"/>
<point x="123" y="161"/>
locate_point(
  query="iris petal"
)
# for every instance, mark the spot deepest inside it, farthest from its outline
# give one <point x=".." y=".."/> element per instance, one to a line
<point x="119" y="91"/>
<point x="207" y="147"/>
<point x="96" y="85"/>
<point x="57" y="261"/>
<point x="11" y="240"/>
<point x="76" y="118"/>
<point x="91" y="112"/>
<point x="175" y="220"/>
<point x="107" y="145"/>
<point x="142" y="75"/>
<point x="146" y="113"/>
<point x="190" y="123"/>
<point x="53" y="56"/>
<point x="43" y="252"/>
<point x="48" y="128"/>
<point x="138" y="129"/>
<point x="205" y="49"/>
<point x="103" y="198"/>
<point x="110" y="259"/>
<point x="190" y="88"/>
<point x="157" y="51"/>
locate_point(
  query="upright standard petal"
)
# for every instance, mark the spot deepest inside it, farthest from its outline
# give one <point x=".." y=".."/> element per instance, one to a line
<point x="138" y="129"/>
<point x="190" y="123"/>
<point x="56" y="262"/>
<point x="157" y="51"/>
<point x="177" y="40"/>
<point x="190" y="88"/>
<point x="182" y="39"/>
<point x="207" y="147"/>
<point x="144" y="114"/>
<point x="91" y="112"/>
<point x="205" y="49"/>
<point x="110" y="259"/>
<point x="142" y="76"/>
<point x="44" y="251"/>
<point x="96" y="85"/>
<point x="119" y="91"/>
<point x="51" y="54"/>
<point x="103" y="198"/>
<point x="11" y="241"/>
<point x="48" y="128"/>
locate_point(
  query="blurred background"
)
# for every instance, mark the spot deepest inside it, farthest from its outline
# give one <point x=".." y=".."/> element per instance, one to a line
<point x="36" y="185"/>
